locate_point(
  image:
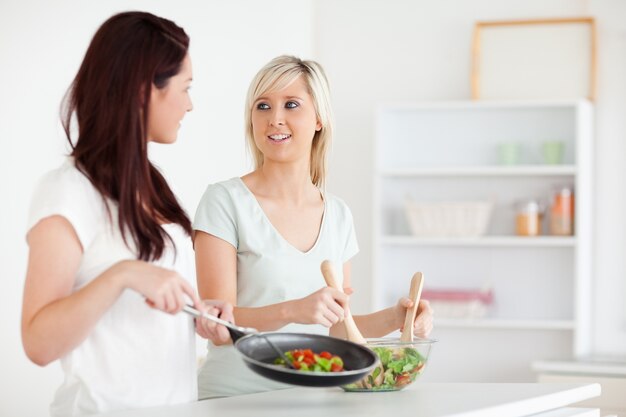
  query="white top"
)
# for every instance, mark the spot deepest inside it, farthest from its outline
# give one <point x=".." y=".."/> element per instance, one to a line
<point x="418" y="399"/>
<point x="269" y="270"/>
<point x="135" y="356"/>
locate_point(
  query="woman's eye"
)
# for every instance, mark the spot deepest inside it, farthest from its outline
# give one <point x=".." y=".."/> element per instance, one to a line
<point x="291" y="104"/>
<point x="262" y="106"/>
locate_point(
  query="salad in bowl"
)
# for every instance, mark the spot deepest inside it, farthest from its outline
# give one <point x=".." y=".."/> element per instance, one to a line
<point x="402" y="363"/>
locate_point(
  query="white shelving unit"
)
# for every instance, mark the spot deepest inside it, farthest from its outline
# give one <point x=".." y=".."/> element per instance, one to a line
<point x="435" y="152"/>
<point x="488" y="241"/>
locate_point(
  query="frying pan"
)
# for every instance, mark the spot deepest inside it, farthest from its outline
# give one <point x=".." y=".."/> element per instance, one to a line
<point x="258" y="354"/>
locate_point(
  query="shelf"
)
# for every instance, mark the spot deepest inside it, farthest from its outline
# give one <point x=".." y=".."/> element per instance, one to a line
<point x="590" y="366"/>
<point x="484" y="171"/>
<point x="486" y="241"/>
<point x="481" y="104"/>
<point x="505" y="324"/>
<point x="450" y="152"/>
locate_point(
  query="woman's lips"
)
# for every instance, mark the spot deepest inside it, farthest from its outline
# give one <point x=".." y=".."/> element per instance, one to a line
<point x="279" y="137"/>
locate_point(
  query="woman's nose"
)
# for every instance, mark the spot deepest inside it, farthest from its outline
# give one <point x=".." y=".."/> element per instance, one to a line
<point x="278" y="118"/>
<point x="189" y="105"/>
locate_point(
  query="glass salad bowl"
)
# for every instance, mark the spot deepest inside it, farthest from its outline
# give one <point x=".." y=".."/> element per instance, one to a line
<point x="402" y="363"/>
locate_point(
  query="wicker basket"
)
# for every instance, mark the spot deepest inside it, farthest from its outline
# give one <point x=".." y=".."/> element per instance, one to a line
<point x="449" y="219"/>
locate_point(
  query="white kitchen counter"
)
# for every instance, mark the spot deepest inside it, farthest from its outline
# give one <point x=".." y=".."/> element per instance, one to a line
<point x="427" y="400"/>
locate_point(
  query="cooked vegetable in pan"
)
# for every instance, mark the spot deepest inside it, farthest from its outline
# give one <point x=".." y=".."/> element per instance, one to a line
<point x="307" y="360"/>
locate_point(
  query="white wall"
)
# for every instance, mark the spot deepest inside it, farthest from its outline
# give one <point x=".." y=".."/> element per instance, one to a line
<point x="389" y="50"/>
<point x="610" y="218"/>
<point x="41" y="46"/>
<point x="399" y="50"/>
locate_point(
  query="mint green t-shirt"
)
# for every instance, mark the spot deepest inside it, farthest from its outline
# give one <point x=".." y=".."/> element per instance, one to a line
<point x="269" y="270"/>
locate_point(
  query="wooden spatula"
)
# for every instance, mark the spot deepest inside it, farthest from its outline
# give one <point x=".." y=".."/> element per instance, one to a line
<point x="353" y="333"/>
<point x="417" y="282"/>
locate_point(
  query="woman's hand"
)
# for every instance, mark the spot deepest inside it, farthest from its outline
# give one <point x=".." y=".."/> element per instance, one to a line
<point x="325" y="306"/>
<point x="164" y="289"/>
<point x="208" y="329"/>
<point x="423" y="324"/>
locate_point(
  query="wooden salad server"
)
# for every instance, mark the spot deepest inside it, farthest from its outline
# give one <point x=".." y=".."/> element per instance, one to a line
<point x="417" y="282"/>
<point x="353" y="333"/>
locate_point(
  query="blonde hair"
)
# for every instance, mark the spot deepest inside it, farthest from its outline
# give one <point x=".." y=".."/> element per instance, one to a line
<point x="278" y="74"/>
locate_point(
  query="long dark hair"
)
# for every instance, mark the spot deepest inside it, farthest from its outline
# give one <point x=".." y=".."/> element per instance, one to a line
<point x="110" y="96"/>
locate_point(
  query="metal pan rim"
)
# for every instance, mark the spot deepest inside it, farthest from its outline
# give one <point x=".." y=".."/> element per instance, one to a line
<point x="311" y="373"/>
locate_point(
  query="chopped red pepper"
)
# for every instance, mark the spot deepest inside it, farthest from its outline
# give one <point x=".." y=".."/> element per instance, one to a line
<point x="403" y="379"/>
<point x="335" y="367"/>
<point x="326" y="355"/>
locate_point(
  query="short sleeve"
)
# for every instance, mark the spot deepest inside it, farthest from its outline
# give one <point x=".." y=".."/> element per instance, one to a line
<point x="68" y="193"/>
<point x="216" y="214"/>
<point x="351" y="247"/>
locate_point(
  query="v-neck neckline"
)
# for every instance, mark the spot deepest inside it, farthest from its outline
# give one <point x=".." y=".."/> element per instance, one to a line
<point x="275" y="230"/>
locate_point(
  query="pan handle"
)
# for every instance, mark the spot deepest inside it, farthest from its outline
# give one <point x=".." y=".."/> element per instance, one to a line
<point x="236" y="332"/>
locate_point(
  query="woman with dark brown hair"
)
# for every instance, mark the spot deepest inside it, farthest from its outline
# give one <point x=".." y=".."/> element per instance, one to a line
<point x="109" y="245"/>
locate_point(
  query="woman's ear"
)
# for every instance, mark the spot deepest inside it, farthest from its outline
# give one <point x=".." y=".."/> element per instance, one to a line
<point x="142" y="94"/>
<point x="318" y="126"/>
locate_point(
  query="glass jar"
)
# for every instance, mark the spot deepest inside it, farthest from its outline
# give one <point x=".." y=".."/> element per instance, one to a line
<point x="562" y="212"/>
<point x="528" y="218"/>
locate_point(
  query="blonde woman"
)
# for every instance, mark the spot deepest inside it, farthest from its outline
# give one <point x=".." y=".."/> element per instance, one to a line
<point x="260" y="239"/>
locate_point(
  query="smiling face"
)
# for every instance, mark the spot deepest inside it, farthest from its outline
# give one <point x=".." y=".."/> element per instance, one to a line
<point x="284" y="123"/>
<point x="168" y="105"/>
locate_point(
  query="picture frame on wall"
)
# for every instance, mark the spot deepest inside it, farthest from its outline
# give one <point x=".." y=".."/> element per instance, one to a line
<point x="534" y="59"/>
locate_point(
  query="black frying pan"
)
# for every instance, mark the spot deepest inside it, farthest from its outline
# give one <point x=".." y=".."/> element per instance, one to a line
<point x="258" y="354"/>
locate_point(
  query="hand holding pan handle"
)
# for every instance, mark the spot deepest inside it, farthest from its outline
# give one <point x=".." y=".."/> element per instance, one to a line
<point x="236" y="332"/>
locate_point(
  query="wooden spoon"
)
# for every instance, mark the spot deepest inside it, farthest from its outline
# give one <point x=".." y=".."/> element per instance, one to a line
<point x="417" y="282"/>
<point x="353" y="333"/>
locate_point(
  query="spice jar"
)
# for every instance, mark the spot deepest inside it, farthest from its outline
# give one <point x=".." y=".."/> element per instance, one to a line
<point x="528" y="218"/>
<point x="562" y="212"/>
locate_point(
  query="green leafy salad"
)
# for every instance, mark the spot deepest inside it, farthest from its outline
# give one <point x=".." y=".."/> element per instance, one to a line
<point x="400" y="367"/>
